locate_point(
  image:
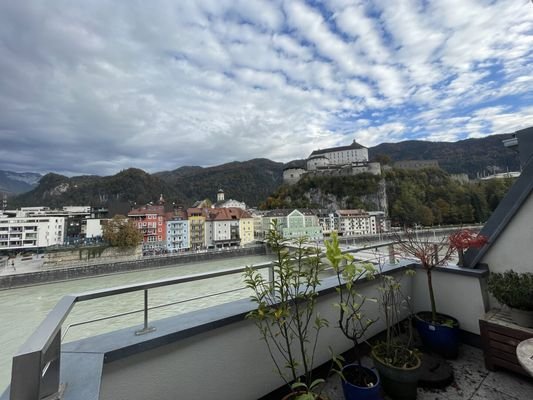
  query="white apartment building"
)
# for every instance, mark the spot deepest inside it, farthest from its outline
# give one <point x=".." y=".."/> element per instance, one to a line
<point x="353" y="222"/>
<point x="227" y="227"/>
<point x="23" y="232"/>
<point x="93" y="227"/>
<point x="354" y="153"/>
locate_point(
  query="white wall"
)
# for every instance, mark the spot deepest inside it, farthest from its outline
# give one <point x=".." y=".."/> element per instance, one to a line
<point x="226" y="363"/>
<point x="512" y="249"/>
<point x="93" y="228"/>
<point x="459" y="296"/>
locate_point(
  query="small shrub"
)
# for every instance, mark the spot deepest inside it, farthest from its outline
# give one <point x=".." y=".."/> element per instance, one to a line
<point x="513" y="289"/>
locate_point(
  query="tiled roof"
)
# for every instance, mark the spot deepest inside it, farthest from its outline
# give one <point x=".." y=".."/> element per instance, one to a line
<point x="283" y="212"/>
<point x="229" y="213"/>
<point x="159" y="210"/>
<point x="197" y="211"/>
<point x="351" y="212"/>
<point x="353" y="146"/>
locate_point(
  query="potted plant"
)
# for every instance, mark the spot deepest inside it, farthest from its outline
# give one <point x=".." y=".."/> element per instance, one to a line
<point x="358" y="381"/>
<point x="515" y="290"/>
<point x="285" y="313"/>
<point x="439" y="332"/>
<point x="397" y="362"/>
<point x="465" y="239"/>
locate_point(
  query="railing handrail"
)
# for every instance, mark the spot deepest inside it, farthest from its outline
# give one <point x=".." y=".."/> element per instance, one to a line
<point x="48" y="333"/>
<point x="95" y="294"/>
<point x="52" y="322"/>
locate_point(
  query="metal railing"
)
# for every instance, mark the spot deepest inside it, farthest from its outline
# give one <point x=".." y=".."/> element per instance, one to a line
<point x="36" y="366"/>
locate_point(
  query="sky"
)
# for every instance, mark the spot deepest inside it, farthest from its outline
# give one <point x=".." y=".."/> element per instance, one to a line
<point x="94" y="87"/>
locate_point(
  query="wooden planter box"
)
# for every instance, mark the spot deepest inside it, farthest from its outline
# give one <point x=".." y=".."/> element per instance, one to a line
<point x="499" y="338"/>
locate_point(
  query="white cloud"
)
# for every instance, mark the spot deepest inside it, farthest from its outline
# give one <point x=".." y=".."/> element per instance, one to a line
<point x="106" y="85"/>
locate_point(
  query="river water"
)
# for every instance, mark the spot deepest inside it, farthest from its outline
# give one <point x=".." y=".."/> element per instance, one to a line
<point x="22" y="310"/>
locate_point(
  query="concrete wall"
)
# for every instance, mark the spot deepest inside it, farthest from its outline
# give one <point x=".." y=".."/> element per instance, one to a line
<point x="459" y="295"/>
<point x="510" y="251"/>
<point x="104" y="254"/>
<point x="87" y="271"/>
<point x="227" y="363"/>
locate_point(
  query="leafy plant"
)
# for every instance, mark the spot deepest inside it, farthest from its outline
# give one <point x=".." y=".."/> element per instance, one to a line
<point x="285" y="313"/>
<point x="396" y="349"/>
<point x="512" y="289"/>
<point x="352" y="321"/>
<point x="431" y="254"/>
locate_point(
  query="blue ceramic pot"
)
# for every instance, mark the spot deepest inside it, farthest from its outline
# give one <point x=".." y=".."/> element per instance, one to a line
<point x="354" y="392"/>
<point x="443" y="339"/>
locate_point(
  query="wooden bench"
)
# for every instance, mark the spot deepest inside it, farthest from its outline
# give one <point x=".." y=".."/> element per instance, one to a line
<point x="499" y="338"/>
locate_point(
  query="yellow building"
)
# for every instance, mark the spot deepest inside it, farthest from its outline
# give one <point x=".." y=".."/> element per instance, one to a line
<point x="197" y="231"/>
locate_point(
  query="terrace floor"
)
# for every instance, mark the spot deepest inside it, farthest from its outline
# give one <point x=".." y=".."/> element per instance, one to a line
<point x="472" y="382"/>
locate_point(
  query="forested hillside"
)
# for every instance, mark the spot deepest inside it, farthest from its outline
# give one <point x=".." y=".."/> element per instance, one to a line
<point x="249" y="181"/>
<point x="128" y="186"/>
<point x="426" y="197"/>
<point x="470" y="156"/>
<point x="254" y="180"/>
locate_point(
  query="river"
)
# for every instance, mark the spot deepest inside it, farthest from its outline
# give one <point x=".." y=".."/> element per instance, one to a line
<point x="22" y="310"/>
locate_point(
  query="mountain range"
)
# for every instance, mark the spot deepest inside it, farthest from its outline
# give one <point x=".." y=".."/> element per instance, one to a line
<point x="470" y="156"/>
<point x="18" y="182"/>
<point x="249" y="181"/>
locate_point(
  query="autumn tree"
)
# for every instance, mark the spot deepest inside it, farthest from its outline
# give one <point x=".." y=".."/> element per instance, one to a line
<point x="121" y="232"/>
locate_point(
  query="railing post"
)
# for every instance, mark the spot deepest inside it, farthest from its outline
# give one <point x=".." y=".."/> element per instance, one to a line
<point x="392" y="259"/>
<point x="35" y="375"/>
<point x="146" y="328"/>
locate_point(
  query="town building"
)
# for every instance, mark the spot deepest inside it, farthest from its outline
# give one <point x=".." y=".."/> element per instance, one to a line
<point x="246" y="228"/>
<point x="75" y="219"/>
<point x="178" y="233"/>
<point x="93" y="228"/>
<point x="150" y="220"/>
<point x="26" y="232"/>
<point x="228" y="227"/>
<point x="353" y="153"/>
<point x="197" y="228"/>
<point x="353" y="222"/>
<point x="293" y="224"/>
<point x="230" y="203"/>
<point x="334" y="161"/>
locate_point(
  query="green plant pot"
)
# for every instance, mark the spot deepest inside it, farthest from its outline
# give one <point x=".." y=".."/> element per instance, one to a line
<point x="398" y="383"/>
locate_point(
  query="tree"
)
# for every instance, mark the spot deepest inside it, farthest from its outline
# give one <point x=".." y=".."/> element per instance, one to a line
<point x="286" y="311"/>
<point x="122" y="232"/>
<point x="431" y="254"/>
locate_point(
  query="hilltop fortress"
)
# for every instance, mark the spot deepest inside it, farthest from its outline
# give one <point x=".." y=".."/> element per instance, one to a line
<point x="335" y="161"/>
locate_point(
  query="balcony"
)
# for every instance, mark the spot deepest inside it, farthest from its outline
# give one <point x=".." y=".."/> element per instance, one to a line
<point x="167" y="356"/>
<point x="472" y="381"/>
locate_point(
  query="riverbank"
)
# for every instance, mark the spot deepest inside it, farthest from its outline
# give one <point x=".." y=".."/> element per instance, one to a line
<point x="21" y="278"/>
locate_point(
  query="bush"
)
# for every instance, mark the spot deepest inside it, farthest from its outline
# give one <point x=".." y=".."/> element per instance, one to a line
<point x="513" y="289"/>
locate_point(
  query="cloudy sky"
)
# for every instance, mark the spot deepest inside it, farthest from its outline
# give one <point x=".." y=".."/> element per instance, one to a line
<point x="93" y="87"/>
